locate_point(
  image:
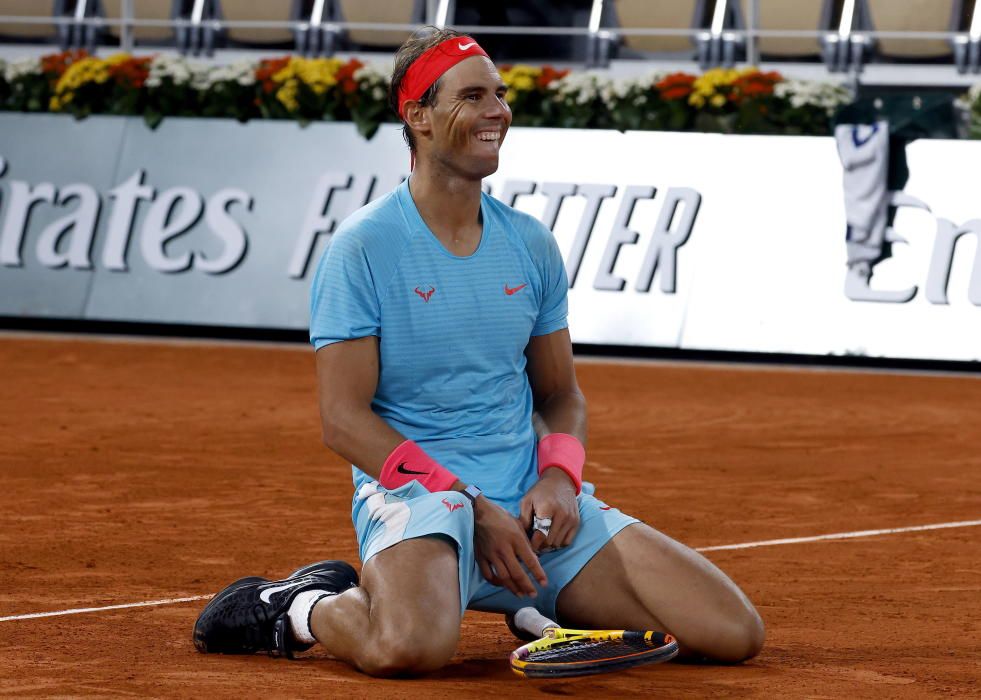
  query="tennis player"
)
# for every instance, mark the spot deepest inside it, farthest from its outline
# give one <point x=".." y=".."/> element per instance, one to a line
<point x="446" y="376"/>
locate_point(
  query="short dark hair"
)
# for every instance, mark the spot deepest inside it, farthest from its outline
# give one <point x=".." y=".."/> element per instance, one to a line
<point x="408" y="53"/>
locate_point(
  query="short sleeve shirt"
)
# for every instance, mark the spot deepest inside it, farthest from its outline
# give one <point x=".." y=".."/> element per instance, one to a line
<point x="452" y="331"/>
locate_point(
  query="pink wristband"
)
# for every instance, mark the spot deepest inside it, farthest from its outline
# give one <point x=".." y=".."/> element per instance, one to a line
<point x="408" y="461"/>
<point x="565" y="452"/>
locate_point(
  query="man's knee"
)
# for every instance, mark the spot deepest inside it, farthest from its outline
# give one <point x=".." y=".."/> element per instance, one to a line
<point x="408" y="654"/>
<point x="736" y="640"/>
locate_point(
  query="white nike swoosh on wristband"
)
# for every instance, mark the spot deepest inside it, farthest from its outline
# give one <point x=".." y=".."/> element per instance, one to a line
<point x="267" y="594"/>
<point x="464" y="47"/>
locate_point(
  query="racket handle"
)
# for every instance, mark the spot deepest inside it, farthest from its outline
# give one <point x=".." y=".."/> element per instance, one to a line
<point x="533" y="622"/>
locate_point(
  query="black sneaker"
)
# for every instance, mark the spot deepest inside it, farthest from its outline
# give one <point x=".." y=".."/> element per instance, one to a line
<point x="250" y="615"/>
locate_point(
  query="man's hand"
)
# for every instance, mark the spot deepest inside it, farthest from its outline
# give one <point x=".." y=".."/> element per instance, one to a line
<point x="501" y="547"/>
<point x="554" y="496"/>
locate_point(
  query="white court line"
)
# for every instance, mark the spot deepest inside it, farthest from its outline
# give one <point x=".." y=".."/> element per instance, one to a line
<point x="840" y="536"/>
<point x="76" y="611"/>
<point x="743" y="545"/>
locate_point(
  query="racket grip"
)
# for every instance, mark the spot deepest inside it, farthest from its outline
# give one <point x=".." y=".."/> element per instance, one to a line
<point x="533" y="622"/>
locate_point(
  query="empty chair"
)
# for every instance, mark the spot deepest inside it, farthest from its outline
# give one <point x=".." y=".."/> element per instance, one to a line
<point x="388" y="12"/>
<point x="644" y="14"/>
<point x="912" y="15"/>
<point x="22" y="32"/>
<point x="251" y="11"/>
<point x="792" y="15"/>
<point x="142" y="9"/>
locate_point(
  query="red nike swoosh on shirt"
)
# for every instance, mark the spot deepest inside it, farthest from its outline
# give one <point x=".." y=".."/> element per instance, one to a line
<point x="511" y="290"/>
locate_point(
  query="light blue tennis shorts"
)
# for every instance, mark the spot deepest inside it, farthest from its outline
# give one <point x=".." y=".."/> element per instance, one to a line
<point x="383" y="518"/>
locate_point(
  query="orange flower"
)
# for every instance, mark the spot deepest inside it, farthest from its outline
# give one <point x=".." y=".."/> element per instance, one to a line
<point x="548" y="75"/>
<point x="754" y="84"/>
<point x="677" y="86"/>
<point x="268" y="67"/>
<point x="131" y="72"/>
<point x="57" y="63"/>
<point x="347" y="71"/>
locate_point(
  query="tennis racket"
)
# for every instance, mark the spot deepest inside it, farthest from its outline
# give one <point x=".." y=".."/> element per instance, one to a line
<point x="561" y="653"/>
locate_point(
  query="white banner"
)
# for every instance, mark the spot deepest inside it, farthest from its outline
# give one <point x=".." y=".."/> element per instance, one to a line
<point x="693" y="241"/>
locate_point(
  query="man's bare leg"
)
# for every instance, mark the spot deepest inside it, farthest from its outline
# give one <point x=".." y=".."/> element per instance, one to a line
<point x="405" y="616"/>
<point x="643" y="579"/>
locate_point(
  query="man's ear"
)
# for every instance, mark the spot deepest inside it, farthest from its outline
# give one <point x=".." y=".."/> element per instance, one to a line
<point x="417" y="117"/>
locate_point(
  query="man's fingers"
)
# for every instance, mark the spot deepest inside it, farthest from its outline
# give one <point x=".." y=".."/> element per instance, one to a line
<point x="486" y="570"/>
<point x="537" y="541"/>
<point x="518" y="576"/>
<point x="502" y="576"/>
<point x="527" y="556"/>
<point x="526" y="513"/>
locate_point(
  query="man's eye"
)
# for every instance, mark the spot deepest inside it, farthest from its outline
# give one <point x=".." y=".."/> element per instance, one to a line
<point x="473" y="98"/>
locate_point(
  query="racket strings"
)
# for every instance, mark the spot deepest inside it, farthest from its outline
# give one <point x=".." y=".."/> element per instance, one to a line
<point x="590" y="650"/>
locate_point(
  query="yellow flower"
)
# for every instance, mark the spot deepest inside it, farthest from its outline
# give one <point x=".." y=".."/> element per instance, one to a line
<point x="319" y="74"/>
<point x="696" y="100"/>
<point x="521" y="78"/>
<point x="118" y="58"/>
<point x="718" y="100"/>
<point x="287" y="95"/>
<point x="79" y="73"/>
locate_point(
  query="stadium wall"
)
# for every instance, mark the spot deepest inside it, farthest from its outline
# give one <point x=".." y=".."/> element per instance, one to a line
<point x="672" y="240"/>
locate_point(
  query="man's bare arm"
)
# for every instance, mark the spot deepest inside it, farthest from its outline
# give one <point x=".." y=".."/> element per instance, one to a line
<point x="347" y="376"/>
<point x="560" y="407"/>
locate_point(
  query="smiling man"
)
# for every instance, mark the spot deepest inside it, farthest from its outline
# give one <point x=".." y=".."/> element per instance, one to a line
<point x="446" y="378"/>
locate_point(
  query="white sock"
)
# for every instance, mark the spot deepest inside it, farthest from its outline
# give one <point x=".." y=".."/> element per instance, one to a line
<point x="300" y="611"/>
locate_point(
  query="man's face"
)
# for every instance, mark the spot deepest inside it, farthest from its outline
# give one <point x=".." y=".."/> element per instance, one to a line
<point x="470" y="118"/>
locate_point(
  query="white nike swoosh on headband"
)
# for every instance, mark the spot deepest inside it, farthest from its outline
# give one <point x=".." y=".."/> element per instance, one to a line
<point x="464" y="47"/>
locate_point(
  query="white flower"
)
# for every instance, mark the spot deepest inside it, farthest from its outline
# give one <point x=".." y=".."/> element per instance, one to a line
<point x="582" y="88"/>
<point x="807" y="93"/>
<point x="377" y="93"/>
<point x="206" y="77"/>
<point x="373" y="75"/>
<point x="175" y="68"/>
<point x="22" y="67"/>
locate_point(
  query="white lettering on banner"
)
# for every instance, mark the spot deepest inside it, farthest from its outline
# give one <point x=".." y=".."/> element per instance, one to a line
<point x="127" y="197"/>
<point x="21" y="200"/>
<point x="317" y="220"/>
<point x="555" y="193"/>
<point x="173" y="214"/>
<point x="942" y="260"/>
<point x="227" y="229"/>
<point x="515" y="188"/>
<point x="594" y="194"/>
<point x="670" y="232"/>
<point x="667" y="239"/>
<point x="68" y="241"/>
<point x="81" y="223"/>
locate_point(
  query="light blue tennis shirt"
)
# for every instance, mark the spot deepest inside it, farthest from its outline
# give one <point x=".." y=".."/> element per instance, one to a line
<point x="452" y="331"/>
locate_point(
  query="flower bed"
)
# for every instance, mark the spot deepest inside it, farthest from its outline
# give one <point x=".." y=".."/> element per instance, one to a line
<point x="745" y="101"/>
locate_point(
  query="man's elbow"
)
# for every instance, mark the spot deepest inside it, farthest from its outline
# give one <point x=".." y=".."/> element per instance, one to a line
<point x="332" y="429"/>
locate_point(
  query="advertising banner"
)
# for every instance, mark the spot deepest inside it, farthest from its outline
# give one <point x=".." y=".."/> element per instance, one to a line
<point x="672" y="240"/>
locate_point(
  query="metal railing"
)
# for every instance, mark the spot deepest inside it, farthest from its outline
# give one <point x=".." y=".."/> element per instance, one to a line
<point x="844" y="49"/>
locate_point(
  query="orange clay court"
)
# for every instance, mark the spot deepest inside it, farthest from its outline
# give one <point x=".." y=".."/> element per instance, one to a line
<point x="142" y="471"/>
